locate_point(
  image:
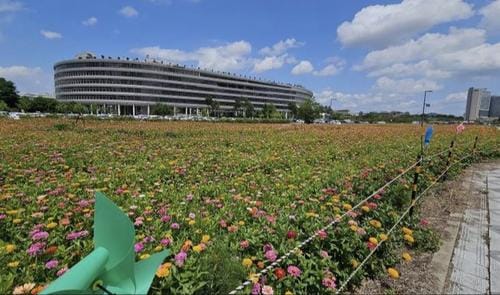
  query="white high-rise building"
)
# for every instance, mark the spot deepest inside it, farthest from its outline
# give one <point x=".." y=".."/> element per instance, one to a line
<point x="478" y="104"/>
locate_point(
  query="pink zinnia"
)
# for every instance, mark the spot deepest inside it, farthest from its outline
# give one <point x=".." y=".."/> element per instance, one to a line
<point x="324" y="254"/>
<point x="35" y="249"/>
<point x="180" y="258"/>
<point x="244" y="244"/>
<point x="41" y="235"/>
<point x="165" y="242"/>
<point x="322" y="234"/>
<point x="189" y="197"/>
<point x="165" y="218"/>
<point x="51" y="264"/>
<point x="377" y="197"/>
<point x="191" y="215"/>
<point x="329" y="283"/>
<point x="256" y="289"/>
<point x="361" y="231"/>
<point x="2" y="216"/>
<point x="293" y="271"/>
<point x="352" y="214"/>
<point x="62" y="271"/>
<point x="268" y="247"/>
<point x="267" y="290"/>
<point x="371" y="246"/>
<point x="175" y="226"/>
<point x="138" y="247"/>
<point x="271" y="255"/>
<point x="424" y="222"/>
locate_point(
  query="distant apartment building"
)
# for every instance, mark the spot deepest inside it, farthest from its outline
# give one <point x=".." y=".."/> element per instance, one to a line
<point x="481" y="105"/>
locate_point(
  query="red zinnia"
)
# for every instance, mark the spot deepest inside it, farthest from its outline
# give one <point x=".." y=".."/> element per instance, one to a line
<point x="279" y="273"/>
<point x="291" y="234"/>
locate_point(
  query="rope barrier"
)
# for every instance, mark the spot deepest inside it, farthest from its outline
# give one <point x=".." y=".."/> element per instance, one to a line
<point x="397" y="223"/>
<point x="308" y="240"/>
<point x="337" y="220"/>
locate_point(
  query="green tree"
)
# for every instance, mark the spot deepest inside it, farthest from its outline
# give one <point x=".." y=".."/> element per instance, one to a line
<point x="24" y="104"/>
<point x="8" y="92"/>
<point x="292" y="106"/>
<point x="3" y="106"/>
<point x="309" y="110"/>
<point x="44" y="105"/>
<point x="248" y="108"/>
<point x="212" y="104"/>
<point x="162" y="109"/>
<point x="237" y="107"/>
<point x="269" y="111"/>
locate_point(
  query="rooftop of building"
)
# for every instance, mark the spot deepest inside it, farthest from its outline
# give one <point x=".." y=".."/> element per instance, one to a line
<point x="148" y="60"/>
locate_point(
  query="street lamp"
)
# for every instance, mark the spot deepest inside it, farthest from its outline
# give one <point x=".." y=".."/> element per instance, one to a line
<point x="424" y="105"/>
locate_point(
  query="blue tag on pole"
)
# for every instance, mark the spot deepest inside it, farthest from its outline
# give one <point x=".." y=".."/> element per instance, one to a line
<point x="428" y="135"/>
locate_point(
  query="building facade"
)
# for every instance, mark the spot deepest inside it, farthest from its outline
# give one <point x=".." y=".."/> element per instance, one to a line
<point x="132" y="87"/>
<point x="481" y="105"/>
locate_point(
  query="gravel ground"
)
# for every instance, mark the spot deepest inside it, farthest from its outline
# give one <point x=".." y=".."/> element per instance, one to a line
<point x="451" y="197"/>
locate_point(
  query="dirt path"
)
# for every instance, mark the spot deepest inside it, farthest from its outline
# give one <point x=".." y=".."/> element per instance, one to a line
<point x="444" y="208"/>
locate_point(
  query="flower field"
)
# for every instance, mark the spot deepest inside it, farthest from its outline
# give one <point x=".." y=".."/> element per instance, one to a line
<point x="226" y="199"/>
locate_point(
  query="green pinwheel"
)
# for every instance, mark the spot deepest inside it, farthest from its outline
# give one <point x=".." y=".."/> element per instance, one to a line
<point x="111" y="267"/>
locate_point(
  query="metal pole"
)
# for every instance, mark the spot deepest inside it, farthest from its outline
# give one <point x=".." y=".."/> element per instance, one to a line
<point x="423" y="110"/>
<point x="448" y="160"/>
<point x="418" y="170"/>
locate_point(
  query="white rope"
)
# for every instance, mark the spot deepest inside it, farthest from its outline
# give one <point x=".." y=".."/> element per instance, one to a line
<point x="308" y="240"/>
<point x="396" y="224"/>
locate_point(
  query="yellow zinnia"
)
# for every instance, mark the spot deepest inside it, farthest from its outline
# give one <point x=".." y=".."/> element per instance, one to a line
<point x="144" y="256"/>
<point x="10" y="248"/>
<point x="13" y="264"/>
<point x="354" y="263"/>
<point x="254" y="278"/>
<point x="205" y="239"/>
<point x="164" y="270"/>
<point x="407" y="231"/>
<point x="375" y="223"/>
<point x="365" y="208"/>
<point x="373" y="240"/>
<point x="383" y="237"/>
<point x="191" y="222"/>
<point x="247" y="262"/>
<point x="51" y="225"/>
<point x="409" y="238"/>
<point x="406" y="256"/>
<point x="393" y="273"/>
<point x="347" y="207"/>
<point x="197" y="249"/>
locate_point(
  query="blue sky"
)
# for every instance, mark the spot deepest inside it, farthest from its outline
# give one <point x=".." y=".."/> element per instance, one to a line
<point x="368" y="55"/>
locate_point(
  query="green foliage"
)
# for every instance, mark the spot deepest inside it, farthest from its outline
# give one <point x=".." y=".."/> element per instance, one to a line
<point x="3" y="106"/>
<point x="426" y="240"/>
<point x="269" y="111"/>
<point x="248" y="108"/>
<point x="222" y="270"/>
<point x="8" y="92"/>
<point x="309" y="111"/>
<point x="162" y="109"/>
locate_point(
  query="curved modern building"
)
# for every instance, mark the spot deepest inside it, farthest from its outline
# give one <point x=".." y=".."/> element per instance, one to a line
<point x="131" y="87"/>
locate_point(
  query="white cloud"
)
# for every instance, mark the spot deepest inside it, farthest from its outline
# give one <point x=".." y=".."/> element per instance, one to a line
<point x="13" y="72"/>
<point x="424" y="68"/>
<point x="269" y="63"/>
<point x="303" y="67"/>
<point x="50" y="35"/>
<point x="478" y="60"/>
<point x="128" y="11"/>
<point x="456" y="97"/>
<point x="232" y="56"/>
<point x="28" y="79"/>
<point x="329" y="70"/>
<point x="491" y="17"/>
<point x="91" y="21"/>
<point x="280" y="47"/>
<point x="428" y="46"/>
<point x="10" y="6"/>
<point x="381" y="25"/>
<point x="405" y="86"/>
